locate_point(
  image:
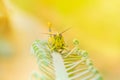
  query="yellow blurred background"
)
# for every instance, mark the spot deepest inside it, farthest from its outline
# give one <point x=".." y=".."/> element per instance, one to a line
<point x="95" y="23"/>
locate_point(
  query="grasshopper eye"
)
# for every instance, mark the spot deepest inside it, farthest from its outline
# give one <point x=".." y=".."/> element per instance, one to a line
<point x="54" y="35"/>
<point x="60" y="35"/>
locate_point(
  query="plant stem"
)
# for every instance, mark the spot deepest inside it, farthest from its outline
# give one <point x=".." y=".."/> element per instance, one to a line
<point x="60" y="71"/>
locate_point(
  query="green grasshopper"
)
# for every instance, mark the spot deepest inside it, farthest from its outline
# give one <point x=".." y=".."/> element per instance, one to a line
<point x="56" y="41"/>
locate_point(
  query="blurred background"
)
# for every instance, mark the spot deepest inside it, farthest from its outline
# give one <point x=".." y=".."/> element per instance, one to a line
<point x="95" y="23"/>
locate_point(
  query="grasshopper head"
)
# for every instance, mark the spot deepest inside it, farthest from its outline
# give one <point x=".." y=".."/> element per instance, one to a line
<point x="58" y="35"/>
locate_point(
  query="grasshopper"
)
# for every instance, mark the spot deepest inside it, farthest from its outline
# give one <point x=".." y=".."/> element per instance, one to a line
<point x="56" y="40"/>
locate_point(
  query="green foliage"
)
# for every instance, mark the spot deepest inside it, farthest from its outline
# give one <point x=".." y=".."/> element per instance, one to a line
<point x="67" y="65"/>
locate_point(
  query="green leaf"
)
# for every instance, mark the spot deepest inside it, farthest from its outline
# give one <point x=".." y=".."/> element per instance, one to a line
<point x="70" y="65"/>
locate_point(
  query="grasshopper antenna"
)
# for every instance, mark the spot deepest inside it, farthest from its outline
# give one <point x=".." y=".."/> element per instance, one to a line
<point x="65" y="30"/>
<point x="48" y="33"/>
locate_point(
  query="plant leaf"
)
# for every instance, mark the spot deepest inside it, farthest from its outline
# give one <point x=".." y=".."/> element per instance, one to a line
<point x="73" y="65"/>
